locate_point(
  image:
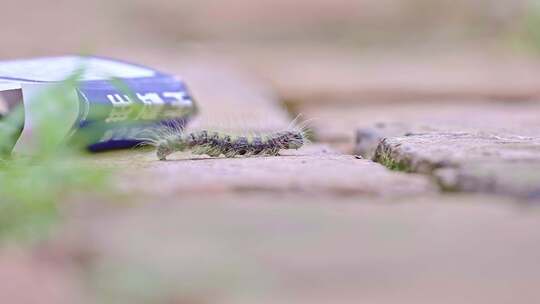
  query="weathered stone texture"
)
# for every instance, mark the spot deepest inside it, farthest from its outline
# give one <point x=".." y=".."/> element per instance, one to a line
<point x="312" y="170"/>
<point x="469" y="161"/>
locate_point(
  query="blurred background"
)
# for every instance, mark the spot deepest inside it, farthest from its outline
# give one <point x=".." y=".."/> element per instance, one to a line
<point x="309" y="42"/>
<point x="36" y="27"/>
<point x="308" y="49"/>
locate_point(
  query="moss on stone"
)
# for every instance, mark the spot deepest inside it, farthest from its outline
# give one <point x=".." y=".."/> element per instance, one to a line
<point x="386" y="160"/>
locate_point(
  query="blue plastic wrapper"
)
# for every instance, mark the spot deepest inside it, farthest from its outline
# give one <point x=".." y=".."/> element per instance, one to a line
<point x="117" y="112"/>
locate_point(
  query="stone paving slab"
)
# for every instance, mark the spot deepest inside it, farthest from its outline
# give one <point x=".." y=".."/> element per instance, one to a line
<point x="469" y="161"/>
<point x="283" y="248"/>
<point x="519" y="178"/>
<point x="314" y="169"/>
<point x="366" y="124"/>
<point x="322" y="73"/>
<point x="430" y="151"/>
<point x="482" y="146"/>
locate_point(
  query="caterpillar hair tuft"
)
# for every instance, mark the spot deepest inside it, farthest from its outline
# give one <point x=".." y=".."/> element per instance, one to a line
<point x="216" y="144"/>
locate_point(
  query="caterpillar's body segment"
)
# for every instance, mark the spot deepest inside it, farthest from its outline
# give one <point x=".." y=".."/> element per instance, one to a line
<point x="215" y="144"/>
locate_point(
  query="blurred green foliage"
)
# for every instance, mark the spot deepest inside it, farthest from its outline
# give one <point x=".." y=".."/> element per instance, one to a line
<point x="532" y="25"/>
<point x="32" y="188"/>
<point x="526" y="35"/>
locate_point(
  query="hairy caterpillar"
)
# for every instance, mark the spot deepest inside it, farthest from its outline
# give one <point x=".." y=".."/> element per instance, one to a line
<point x="215" y="144"/>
